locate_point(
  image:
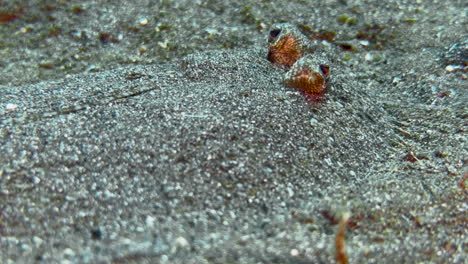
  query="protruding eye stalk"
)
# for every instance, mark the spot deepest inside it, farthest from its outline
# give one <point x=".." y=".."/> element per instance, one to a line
<point x="273" y="34"/>
<point x="308" y="70"/>
<point x="286" y="45"/>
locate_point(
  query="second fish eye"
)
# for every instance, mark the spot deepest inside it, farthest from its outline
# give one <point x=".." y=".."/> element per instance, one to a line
<point x="273" y="34"/>
<point x="325" y="69"/>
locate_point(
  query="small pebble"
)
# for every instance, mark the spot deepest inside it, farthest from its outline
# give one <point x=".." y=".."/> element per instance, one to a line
<point x="452" y="68"/>
<point x="11" y="107"/>
<point x="143" y="21"/>
<point x="181" y="242"/>
<point x="313" y="121"/>
<point x="150" y="221"/>
<point x="212" y="31"/>
<point x="69" y="252"/>
<point x="262" y="26"/>
<point x="35" y="180"/>
<point x="449" y="68"/>
<point x="37" y="241"/>
<point x="163" y="44"/>
<point x="107" y="194"/>
<point x="364" y="43"/>
<point x="396" y="80"/>
<point x="25" y="247"/>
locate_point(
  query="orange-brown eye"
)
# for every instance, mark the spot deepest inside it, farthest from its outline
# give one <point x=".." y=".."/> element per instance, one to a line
<point x="273" y="34"/>
<point x="325" y="69"/>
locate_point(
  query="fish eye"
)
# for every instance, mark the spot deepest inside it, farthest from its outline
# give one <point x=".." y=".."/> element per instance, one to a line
<point x="325" y="69"/>
<point x="273" y="34"/>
